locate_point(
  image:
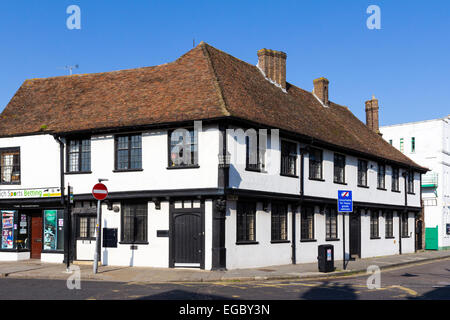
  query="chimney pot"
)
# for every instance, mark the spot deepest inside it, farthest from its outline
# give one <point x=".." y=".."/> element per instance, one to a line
<point x="273" y="64"/>
<point x="321" y="89"/>
<point x="372" y="115"/>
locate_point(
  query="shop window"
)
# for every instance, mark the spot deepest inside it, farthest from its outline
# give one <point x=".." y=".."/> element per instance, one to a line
<point x="10" y="166"/>
<point x="183" y="148"/>
<point x="53" y="230"/>
<point x="7" y="228"/>
<point x="134" y="223"/>
<point x="279" y="222"/>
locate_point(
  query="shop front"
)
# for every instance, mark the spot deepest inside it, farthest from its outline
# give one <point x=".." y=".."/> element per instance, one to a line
<point x="31" y="227"/>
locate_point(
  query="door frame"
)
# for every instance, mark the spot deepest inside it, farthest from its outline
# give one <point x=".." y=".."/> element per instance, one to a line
<point x="172" y="212"/>
<point x="357" y="214"/>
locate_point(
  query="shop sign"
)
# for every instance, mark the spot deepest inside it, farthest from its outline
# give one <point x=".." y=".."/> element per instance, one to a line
<point x="30" y="193"/>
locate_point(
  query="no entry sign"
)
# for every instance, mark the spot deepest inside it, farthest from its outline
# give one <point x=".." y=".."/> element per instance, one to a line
<point x="100" y="192"/>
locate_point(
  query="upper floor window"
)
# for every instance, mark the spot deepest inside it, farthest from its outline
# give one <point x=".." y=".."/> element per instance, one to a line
<point x="413" y="144"/>
<point x="410" y="186"/>
<point x="288" y="158"/>
<point x="79" y="155"/>
<point x="315" y="163"/>
<point x="362" y="173"/>
<point x="279" y="222"/>
<point x="390" y="142"/>
<point x="183" y="148"/>
<point x="402" y="147"/>
<point x="10" y="166"/>
<point x="395" y="179"/>
<point x="339" y="168"/>
<point x="381" y="176"/>
<point x="128" y="152"/>
<point x="254" y="153"/>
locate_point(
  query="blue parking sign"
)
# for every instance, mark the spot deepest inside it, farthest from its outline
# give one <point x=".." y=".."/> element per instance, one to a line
<point x="345" y="202"/>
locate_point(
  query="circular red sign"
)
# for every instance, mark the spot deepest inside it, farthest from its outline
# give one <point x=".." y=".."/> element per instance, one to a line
<point x="100" y="192"/>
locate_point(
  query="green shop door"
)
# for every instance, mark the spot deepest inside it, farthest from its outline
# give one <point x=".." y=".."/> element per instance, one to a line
<point x="431" y="238"/>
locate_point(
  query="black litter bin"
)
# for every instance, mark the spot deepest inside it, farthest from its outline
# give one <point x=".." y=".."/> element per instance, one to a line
<point x="326" y="258"/>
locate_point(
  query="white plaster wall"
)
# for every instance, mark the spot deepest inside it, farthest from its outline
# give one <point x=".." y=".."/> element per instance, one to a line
<point x="155" y="175"/>
<point x="14" y="256"/>
<point x="39" y="161"/>
<point x="153" y="254"/>
<point x="329" y="189"/>
<point x="255" y="255"/>
<point x="85" y="249"/>
<point x="52" y="257"/>
<point x="270" y="180"/>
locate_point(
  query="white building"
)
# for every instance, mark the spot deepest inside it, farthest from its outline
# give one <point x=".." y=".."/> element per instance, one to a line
<point x="428" y="143"/>
<point x="202" y="197"/>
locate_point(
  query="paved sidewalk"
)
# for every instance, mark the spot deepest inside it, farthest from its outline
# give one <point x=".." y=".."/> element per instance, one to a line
<point x="37" y="270"/>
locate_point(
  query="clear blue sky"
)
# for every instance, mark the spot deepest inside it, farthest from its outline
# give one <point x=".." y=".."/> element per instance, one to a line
<point x="406" y="64"/>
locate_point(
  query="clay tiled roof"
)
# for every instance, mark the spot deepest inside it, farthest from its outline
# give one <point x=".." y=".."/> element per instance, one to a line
<point x="204" y="83"/>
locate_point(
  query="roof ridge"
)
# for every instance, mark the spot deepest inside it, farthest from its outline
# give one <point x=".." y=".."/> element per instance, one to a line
<point x="223" y="104"/>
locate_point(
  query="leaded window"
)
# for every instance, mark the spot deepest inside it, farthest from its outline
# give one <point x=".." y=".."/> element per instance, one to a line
<point x="183" y="148"/>
<point x="362" y="173"/>
<point x="134" y="223"/>
<point x="246" y="219"/>
<point x="404" y="222"/>
<point x="374" y="225"/>
<point x="307" y="223"/>
<point x="315" y="163"/>
<point x="288" y="158"/>
<point x="331" y="223"/>
<point x="339" y="168"/>
<point x="79" y="155"/>
<point x="381" y="176"/>
<point x="129" y="152"/>
<point x="389" y="226"/>
<point x="410" y="185"/>
<point x="279" y="222"/>
<point x="10" y="166"/>
<point x="395" y="179"/>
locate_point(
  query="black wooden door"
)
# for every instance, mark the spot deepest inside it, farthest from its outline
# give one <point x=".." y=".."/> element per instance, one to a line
<point x="355" y="234"/>
<point x="419" y="235"/>
<point x="187" y="239"/>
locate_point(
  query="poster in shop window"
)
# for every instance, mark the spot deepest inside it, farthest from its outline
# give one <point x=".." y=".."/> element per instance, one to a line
<point x="50" y="236"/>
<point x="7" y="229"/>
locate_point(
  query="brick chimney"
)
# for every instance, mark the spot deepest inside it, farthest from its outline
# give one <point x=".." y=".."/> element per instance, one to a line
<point x="321" y="89"/>
<point x="372" y="115"/>
<point x="273" y="64"/>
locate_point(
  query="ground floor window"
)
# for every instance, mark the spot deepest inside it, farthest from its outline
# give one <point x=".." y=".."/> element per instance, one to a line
<point x="331" y="223"/>
<point x="246" y="221"/>
<point x="279" y="222"/>
<point x="86" y="227"/>
<point x="374" y="225"/>
<point x="404" y="218"/>
<point x="307" y="223"/>
<point x="7" y="228"/>
<point x="389" y="220"/>
<point x="134" y="223"/>
<point x="53" y="230"/>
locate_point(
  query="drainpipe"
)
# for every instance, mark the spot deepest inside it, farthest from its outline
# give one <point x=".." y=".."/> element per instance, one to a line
<point x="303" y="151"/>
<point x="63" y="203"/>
